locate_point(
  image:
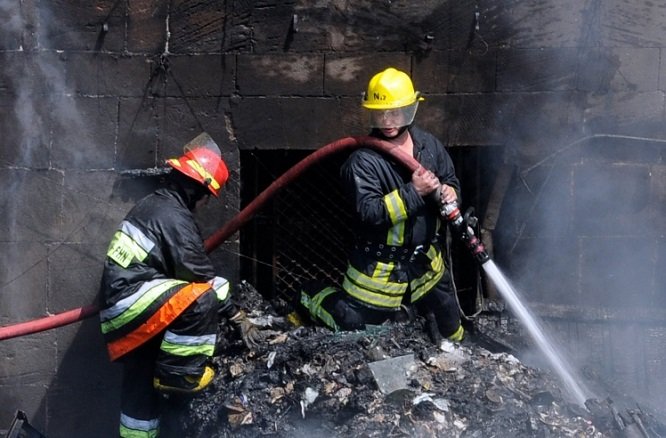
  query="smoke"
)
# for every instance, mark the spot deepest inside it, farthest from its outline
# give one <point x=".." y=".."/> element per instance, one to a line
<point x="36" y="82"/>
<point x="19" y="81"/>
<point x="11" y="20"/>
<point x="583" y="240"/>
<point x="581" y="227"/>
<point x="33" y="85"/>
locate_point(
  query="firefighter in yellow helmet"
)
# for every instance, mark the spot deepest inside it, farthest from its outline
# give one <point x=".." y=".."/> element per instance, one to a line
<point x="397" y="256"/>
<point x="161" y="297"/>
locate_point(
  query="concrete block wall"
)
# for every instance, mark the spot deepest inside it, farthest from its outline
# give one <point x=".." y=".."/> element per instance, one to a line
<point x="94" y="96"/>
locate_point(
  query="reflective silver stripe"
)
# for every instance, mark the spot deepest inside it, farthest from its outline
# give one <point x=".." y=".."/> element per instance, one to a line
<point x="173" y="338"/>
<point x="127" y="302"/>
<point x="180" y="345"/>
<point x="137" y="235"/>
<point x="138" y="428"/>
<point x="138" y="302"/>
<point x="396" y="234"/>
<point x="129" y="243"/>
<point x="398" y="215"/>
<point x="395" y="207"/>
<point x="221" y="287"/>
<point x="383" y="270"/>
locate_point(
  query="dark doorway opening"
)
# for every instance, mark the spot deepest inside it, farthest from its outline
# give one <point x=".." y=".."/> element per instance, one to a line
<point x="304" y="232"/>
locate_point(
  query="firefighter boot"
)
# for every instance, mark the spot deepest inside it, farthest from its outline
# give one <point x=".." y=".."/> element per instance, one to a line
<point x="432" y="328"/>
<point x="184" y="384"/>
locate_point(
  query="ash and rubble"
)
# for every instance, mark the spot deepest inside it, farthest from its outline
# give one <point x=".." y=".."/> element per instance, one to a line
<point x="389" y="381"/>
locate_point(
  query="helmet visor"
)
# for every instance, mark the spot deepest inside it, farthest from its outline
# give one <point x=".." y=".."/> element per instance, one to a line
<point x="392" y="118"/>
<point x="202" y="140"/>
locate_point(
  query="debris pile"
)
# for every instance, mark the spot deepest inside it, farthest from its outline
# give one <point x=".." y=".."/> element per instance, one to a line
<point x="389" y="380"/>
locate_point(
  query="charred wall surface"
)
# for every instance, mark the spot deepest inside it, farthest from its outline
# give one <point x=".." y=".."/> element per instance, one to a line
<point x="95" y="95"/>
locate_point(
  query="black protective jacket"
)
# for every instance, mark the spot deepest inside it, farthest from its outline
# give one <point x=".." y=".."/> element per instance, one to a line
<point x="368" y="176"/>
<point x="178" y="252"/>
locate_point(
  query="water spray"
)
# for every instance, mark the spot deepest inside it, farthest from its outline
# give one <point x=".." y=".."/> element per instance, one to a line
<point x="463" y="228"/>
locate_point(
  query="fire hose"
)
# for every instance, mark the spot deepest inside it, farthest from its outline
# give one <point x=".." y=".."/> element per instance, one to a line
<point x="463" y="225"/>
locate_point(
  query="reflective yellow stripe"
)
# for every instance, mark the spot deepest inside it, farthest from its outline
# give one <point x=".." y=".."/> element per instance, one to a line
<point x="129" y="243"/>
<point x="135" y="428"/>
<point x="376" y="290"/>
<point x="146" y="299"/>
<point x="395" y="207"/>
<point x="159" y="320"/>
<point x="398" y="214"/>
<point x="379" y="280"/>
<point x="458" y="335"/>
<point x="126" y="432"/>
<point x="123" y="249"/>
<point x="204" y="174"/>
<point x="179" y="345"/>
<point x="315" y="308"/>
<point x="396" y="235"/>
<point x="422" y="285"/>
<point x="187" y="350"/>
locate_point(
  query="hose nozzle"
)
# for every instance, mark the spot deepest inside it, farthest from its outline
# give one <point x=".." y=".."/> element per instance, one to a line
<point x="463" y="227"/>
<point x="451" y="212"/>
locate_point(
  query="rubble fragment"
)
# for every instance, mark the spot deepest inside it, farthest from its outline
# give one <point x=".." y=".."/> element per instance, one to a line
<point x="392" y="374"/>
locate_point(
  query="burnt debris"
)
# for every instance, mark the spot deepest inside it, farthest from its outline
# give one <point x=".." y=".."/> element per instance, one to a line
<point x="388" y="381"/>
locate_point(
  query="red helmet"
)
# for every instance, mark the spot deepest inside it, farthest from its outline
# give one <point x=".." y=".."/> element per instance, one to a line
<point x="202" y="162"/>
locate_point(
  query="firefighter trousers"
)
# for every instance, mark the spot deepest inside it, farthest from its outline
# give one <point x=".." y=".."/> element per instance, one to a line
<point x="140" y="401"/>
<point x="336" y="309"/>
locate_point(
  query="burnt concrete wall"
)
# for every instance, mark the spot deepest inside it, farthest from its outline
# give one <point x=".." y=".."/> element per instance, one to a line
<point x="94" y="96"/>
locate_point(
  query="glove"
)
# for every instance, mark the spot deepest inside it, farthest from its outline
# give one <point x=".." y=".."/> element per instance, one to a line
<point x="249" y="332"/>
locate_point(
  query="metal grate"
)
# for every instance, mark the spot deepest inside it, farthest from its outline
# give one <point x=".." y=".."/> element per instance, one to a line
<point x="304" y="234"/>
<point x="312" y="232"/>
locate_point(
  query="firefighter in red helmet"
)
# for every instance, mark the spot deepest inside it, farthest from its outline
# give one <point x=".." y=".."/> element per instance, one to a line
<point x="161" y="297"/>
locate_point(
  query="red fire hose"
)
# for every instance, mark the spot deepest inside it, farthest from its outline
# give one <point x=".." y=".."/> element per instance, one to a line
<point x="339" y="145"/>
<point x="346" y="143"/>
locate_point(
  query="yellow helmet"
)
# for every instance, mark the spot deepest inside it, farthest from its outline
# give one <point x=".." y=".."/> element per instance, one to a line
<point x="390" y="89"/>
